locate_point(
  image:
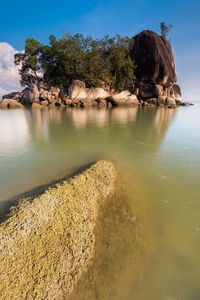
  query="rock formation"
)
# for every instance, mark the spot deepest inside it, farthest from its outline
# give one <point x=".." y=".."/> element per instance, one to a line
<point x="48" y="240"/>
<point x="155" y="71"/>
<point x="155" y="83"/>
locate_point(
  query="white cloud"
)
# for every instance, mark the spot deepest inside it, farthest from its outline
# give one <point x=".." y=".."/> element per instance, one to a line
<point x="9" y="76"/>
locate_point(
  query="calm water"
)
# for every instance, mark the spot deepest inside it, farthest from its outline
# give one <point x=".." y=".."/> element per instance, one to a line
<point x="159" y="150"/>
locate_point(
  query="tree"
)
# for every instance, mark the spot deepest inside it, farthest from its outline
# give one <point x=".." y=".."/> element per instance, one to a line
<point x="165" y="29"/>
<point x="30" y="68"/>
<point x="94" y="61"/>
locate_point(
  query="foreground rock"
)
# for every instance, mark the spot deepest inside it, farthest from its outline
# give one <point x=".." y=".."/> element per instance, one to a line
<point x="48" y="241"/>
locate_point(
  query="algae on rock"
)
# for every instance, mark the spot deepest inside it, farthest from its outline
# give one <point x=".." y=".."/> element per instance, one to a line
<point x="48" y="241"/>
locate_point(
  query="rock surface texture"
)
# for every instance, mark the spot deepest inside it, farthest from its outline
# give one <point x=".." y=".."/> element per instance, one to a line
<point x="153" y="56"/>
<point x="48" y="240"/>
<point x="155" y="71"/>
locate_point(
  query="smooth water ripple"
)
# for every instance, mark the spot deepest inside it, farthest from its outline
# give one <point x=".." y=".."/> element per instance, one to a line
<point x="158" y="148"/>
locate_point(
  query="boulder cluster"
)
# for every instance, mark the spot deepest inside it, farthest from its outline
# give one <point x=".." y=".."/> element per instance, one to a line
<point x="155" y="83"/>
<point x="77" y="95"/>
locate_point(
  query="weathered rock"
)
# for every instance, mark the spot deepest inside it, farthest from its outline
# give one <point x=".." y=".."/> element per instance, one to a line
<point x="77" y="90"/>
<point x="123" y="98"/>
<point x="152" y="101"/>
<point x="153" y="56"/>
<point x="36" y="105"/>
<point x="47" y="95"/>
<point x="161" y="100"/>
<point x="170" y="102"/>
<point x="44" y="103"/>
<point x="122" y="95"/>
<point x="86" y="103"/>
<point x="55" y="91"/>
<point x="30" y="95"/>
<point x="147" y="90"/>
<point x="95" y="93"/>
<point x="10" y="103"/>
<point x="177" y="92"/>
<point x="48" y="241"/>
<point x="56" y="104"/>
<point x="42" y="86"/>
<point x="100" y="102"/>
<point x="67" y="101"/>
<point x="13" y="95"/>
<point x="186" y="104"/>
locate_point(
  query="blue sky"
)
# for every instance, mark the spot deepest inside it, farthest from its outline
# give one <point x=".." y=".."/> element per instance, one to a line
<point x="40" y="18"/>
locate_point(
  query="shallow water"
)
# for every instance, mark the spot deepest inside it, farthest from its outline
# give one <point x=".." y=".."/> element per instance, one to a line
<point x="159" y="151"/>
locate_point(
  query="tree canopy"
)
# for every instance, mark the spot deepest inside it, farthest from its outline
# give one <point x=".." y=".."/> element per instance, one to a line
<point x="77" y="57"/>
<point x="165" y="29"/>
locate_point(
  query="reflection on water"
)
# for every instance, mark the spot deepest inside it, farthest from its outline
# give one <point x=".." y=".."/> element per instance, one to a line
<point x="159" y="151"/>
<point x="37" y="146"/>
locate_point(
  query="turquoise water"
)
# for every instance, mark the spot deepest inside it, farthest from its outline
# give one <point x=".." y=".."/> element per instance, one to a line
<point x="158" y="147"/>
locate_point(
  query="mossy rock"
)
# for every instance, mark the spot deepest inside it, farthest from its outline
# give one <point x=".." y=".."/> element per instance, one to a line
<point x="48" y="240"/>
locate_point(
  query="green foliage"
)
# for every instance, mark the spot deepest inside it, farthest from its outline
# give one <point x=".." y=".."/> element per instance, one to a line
<point x="165" y="29"/>
<point x="29" y="61"/>
<point x="77" y="57"/>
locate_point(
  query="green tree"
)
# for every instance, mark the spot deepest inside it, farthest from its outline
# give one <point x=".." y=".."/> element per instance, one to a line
<point x="165" y="29"/>
<point x="30" y="69"/>
<point x="77" y="57"/>
<point x="118" y="61"/>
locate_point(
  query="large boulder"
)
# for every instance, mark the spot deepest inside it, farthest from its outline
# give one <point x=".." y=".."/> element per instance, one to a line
<point x="78" y="91"/>
<point x="10" y="103"/>
<point x="177" y="92"/>
<point x="12" y="95"/>
<point x="29" y="96"/>
<point x="170" y="102"/>
<point x="123" y="98"/>
<point x="153" y="56"/>
<point x="95" y="93"/>
<point x="149" y="90"/>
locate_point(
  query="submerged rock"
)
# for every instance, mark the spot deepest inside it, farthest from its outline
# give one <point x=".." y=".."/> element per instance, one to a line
<point x="186" y="104"/>
<point x="48" y="240"/>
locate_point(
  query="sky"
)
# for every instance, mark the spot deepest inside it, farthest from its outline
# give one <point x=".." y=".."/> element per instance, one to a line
<point x="40" y="18"/>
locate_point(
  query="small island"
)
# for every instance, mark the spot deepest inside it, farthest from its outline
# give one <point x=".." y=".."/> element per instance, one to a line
<point x="78" y="71"/>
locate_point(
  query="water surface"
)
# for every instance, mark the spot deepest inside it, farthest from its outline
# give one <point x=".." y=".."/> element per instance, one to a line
<point x="159" y="151"/>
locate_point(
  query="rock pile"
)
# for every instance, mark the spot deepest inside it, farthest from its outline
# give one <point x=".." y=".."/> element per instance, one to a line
<point x="77" y="95"/>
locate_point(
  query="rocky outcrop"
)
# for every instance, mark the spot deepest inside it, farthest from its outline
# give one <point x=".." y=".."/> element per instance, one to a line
<point x="78" y="91"/>
<point x="123" y="98"/>
<point x="153" y="56"/>
<point x="10" y="103"/>
<point x="48" y="241"/>
<point x="12" y="95"/>
<point x="177" y="92"/>
<point x="155" y="67"/>
<point x="29" y="96"/>
<point x="155" y="82"/>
